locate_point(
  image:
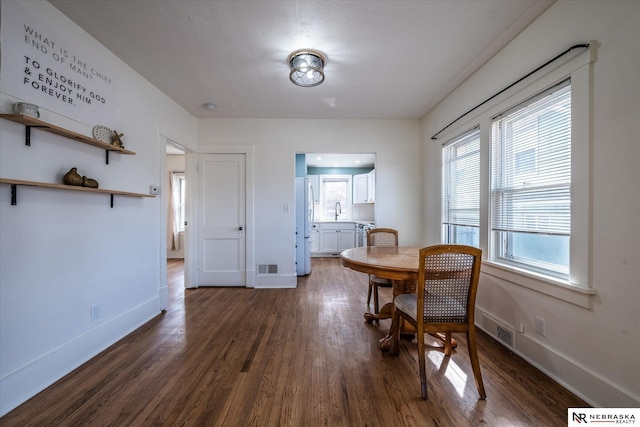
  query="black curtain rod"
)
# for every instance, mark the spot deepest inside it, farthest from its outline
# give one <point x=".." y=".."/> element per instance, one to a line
<point x="583" y="46"/>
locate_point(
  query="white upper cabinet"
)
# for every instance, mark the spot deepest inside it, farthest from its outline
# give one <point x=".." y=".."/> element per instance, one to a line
<point x="360" y="188"/>
<point x="371" y="186"/>
<point x="364" y="187"/>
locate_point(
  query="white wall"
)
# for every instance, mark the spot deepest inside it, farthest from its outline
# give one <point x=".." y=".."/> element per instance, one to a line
<point x="61" y="252"/>
<point x="593" y="351"/>
<point x="398" y="175"/>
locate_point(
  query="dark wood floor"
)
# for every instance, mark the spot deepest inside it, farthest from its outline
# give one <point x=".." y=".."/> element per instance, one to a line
<point x="294" y="357"/>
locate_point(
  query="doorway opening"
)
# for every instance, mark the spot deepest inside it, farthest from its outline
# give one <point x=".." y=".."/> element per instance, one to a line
<point x="176" y="185"/>
<point x="343" y="185"/>
<point x="174" y="196"/>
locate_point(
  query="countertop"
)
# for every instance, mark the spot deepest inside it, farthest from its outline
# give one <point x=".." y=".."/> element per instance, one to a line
<point x="370" y="222"/>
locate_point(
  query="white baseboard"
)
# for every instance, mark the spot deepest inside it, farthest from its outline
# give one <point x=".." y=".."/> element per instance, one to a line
<point x="589" y="386"/>
<point x="275" y="281"/>
<point x="27" y="381"/>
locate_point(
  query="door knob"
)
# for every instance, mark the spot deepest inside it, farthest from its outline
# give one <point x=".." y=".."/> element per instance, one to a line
<point x="240" y="228"/>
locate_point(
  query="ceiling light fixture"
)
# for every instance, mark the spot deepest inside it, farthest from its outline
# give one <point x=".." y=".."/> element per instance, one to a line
<point x="307" y="67"/>
<point x="209" y="106"/>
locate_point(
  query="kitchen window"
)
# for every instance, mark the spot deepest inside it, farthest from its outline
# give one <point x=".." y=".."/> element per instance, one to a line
<point x="461" y="190"/>
<point x="335" y="196"/>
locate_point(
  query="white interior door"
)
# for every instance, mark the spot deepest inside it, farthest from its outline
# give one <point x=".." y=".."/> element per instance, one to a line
<point x="221" y="220"/>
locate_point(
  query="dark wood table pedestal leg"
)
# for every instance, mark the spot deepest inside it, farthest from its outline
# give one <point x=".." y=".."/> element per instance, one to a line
<point x="386" y="312"/>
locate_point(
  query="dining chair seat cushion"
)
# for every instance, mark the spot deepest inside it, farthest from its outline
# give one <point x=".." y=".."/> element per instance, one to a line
<point x="407" y="303"/>
<point x="438" y="308"/>
<point x="380" y="281"/>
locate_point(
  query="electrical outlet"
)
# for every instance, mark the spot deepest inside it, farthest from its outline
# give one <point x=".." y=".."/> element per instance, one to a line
<point x="95" y="311"/>
<point x="540" y="327"/>
<point x="154" y="190"/>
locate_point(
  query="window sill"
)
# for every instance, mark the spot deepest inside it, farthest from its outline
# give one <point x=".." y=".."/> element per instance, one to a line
<point x="545" y="285"/>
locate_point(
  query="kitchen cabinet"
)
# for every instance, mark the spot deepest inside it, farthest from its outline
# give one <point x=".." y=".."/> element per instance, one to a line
<point x="347" y="239"/>
<point x="334" y="238"/>
<point x="360" y="188"/>
<point x="364" y="187"/>
<point x="371" y="186"/>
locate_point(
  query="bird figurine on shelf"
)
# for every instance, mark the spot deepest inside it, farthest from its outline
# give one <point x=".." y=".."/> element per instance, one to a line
<point x="89" y="182"/>
<point x="72" y="177"/>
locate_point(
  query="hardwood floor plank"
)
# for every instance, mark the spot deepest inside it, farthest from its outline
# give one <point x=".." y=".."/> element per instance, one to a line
<point x="288" y="357"/>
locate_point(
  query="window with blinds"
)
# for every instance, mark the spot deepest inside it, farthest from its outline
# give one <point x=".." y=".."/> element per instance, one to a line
<point x="531" y="182"/>
<point x="461" y="189"/>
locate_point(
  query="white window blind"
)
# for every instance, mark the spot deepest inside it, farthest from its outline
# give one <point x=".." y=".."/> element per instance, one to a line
<point x="461" y="189"/>
<point x="531" y="180"/>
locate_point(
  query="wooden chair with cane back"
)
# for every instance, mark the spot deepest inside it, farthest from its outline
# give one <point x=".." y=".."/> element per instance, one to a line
<point x="444" y="303"/>
<point x="379" y="237"/>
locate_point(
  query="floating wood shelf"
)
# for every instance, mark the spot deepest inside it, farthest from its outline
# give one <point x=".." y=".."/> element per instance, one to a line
<point x="30" y="122"/>
<point x="15" y="182"/>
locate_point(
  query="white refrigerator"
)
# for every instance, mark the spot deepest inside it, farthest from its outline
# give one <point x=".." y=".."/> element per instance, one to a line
<point x="304" y="219"/>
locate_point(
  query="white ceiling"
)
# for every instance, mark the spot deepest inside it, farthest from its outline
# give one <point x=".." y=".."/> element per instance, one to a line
<point x="385" y="59"/>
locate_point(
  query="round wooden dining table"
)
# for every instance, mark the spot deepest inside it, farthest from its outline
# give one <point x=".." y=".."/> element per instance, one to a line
<point x="389" y="262"/>
<point x="400" y="264"/>
<point x="397" y="263"/>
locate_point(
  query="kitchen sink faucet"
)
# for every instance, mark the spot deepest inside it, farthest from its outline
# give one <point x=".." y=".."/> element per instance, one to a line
<point x="338" y="209"/>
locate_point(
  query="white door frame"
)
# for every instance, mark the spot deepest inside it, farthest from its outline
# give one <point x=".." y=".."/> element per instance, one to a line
<point x="191" y="208"/>
<point x="192" y="192"/>
<point x="164" y="291"/>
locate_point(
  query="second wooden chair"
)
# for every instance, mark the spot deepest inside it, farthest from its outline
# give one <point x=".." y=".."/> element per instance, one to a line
<point x="379" y="237"/>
